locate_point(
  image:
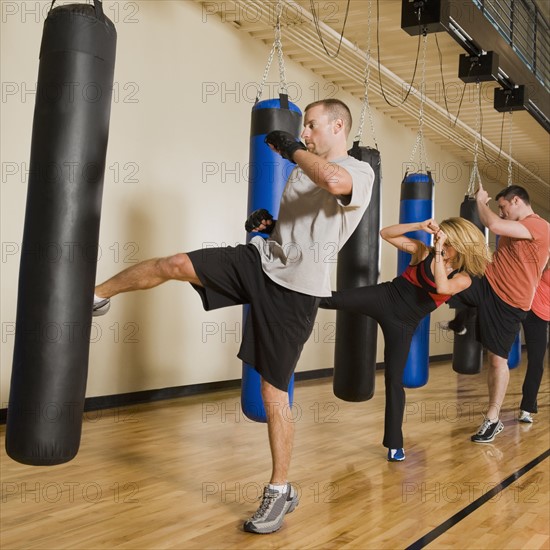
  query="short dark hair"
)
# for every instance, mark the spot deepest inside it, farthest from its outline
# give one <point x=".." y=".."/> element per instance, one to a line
<point x="514" y="191"/>
<point x="336" y="109"/>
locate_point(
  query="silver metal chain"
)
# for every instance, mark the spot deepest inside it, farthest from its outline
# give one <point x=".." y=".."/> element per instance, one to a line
<point x="359" y="134"/>
<point x="510" y="161"/>
<point x="419" y="144"/>
<point x="474" y="174"/>
<point x="277" y="47"/>
<point x="366" y="105"/>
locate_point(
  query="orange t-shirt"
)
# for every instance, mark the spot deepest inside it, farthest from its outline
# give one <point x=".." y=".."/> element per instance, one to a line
<point x="517" y="264"/>
<point x="541" y="302"/>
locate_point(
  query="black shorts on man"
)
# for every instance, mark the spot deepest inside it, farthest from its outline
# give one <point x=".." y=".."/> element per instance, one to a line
<point x="279" y="320"/>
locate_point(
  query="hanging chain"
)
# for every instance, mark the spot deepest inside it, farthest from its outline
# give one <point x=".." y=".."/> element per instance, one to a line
<point x="282" y="77"/>
<point x="366" y="105"/>
<point x="365" y="101"/>
<point x="510" y="161"/>
<point x="474" y="175"/>
<point x="419" y="144"/>
<point x="277" y="47"/>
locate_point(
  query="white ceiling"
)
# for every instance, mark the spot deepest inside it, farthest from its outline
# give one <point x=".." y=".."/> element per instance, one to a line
<point x="301" y="43"/>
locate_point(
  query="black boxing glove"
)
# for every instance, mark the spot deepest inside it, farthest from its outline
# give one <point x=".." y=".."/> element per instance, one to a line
<point x="284" y="143"/>
<point x="256" y="218"/>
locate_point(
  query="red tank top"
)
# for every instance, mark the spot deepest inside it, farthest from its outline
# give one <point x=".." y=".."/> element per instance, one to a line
<point x="421" y="275"/>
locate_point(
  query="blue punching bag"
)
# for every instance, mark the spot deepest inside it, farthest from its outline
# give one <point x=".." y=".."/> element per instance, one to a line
<point x="416" y="206"/>
<point x="61" y="234"/>
<point x="514" y="357"/>
<point x="359" y="265"/>
<point x="267" y="179"/>
<point x="467" y="351"/>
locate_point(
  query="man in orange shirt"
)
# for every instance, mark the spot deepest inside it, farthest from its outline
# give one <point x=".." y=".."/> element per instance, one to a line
<point x="504" y="295"/>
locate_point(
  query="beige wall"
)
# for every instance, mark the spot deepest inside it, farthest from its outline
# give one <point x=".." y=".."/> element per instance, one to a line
<point x="176" y="180"/>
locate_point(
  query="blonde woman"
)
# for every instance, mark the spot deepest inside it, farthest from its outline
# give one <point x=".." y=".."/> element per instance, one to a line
<point x="433" y="276"/>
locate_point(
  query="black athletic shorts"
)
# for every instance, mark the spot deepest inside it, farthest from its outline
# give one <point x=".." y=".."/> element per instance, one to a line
<point x="279" y="320"/>
<point x="498" y="323"/>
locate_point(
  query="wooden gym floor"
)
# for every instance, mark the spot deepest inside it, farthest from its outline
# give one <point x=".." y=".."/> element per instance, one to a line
<point x="184" y="474"/>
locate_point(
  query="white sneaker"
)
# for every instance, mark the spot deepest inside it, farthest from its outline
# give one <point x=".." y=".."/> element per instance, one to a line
<point x="271" y="513"/>
<point x="525" y="416"/>
<point x="101" y="307"/>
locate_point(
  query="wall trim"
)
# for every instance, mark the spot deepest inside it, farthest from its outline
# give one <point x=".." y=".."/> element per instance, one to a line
<point x="174" y="392"/>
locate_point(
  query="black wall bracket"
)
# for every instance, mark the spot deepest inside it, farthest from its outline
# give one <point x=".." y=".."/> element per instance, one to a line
<point x="424" y="16"/>
<point x="478" y="68"/>
<point x="511" y="100"/>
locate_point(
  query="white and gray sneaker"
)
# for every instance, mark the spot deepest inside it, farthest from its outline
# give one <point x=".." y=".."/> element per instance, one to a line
<point x="525" y="416"/>
<point x="275" y="505"/>
<point x="101" y="307"/>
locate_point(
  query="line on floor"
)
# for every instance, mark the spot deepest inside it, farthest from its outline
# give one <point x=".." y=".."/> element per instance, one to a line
<point x="473" y="506"/>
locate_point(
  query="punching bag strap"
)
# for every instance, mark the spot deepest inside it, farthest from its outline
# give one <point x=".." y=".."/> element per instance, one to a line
<point x="430" y="177"/>
<point x="98" y="9"/>
<point x="283" y="98"/>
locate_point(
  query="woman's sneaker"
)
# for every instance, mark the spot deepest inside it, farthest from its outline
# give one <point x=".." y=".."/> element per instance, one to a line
<point x="455" y="326"/>
<point x="396" y="455"/>
<point x="525" y="416"/>
<point x="487" y="431"/>
<point x="271" y="513"/>
<point x="101" y="307"/>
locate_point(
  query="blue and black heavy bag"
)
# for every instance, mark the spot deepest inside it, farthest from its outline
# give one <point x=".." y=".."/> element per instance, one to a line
<point x="268" y="175"/>
<point x="416" y="205"/>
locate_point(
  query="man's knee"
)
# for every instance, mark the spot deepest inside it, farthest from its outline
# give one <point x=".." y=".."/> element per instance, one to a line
<point x="497" y="362"/>
<point x="179" y="267"/>
<point x="272" y="394"/>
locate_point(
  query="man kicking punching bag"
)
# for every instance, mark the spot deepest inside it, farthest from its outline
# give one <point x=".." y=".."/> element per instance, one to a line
<point x="61" y="233"/>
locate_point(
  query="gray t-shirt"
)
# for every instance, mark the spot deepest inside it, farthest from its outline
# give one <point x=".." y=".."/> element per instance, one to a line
<point x="312" y="227"/>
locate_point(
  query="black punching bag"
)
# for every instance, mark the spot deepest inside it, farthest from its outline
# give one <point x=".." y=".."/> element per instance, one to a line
<point x="61" y="234"/>
<point x="359" y="265"/>
<point x="467" y="351"/>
